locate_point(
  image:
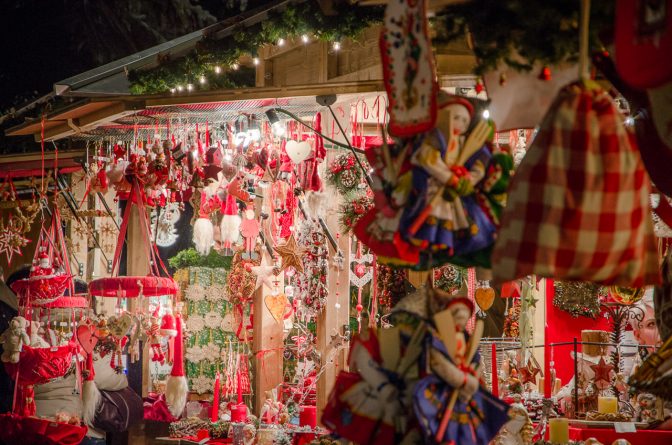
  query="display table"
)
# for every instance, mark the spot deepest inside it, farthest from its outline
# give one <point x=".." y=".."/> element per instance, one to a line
<point x="609" y="435"/>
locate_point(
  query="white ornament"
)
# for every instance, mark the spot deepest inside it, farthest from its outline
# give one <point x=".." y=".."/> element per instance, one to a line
<point x="298" y="151"/>
<point x="213" y="320"/>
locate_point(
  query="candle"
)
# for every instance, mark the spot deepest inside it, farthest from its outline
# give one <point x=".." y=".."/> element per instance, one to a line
<point x="547" y="367"/>
<point x="558" y="430"/>
<point x="239" y="388"/>
<point x="214" y="413"/>
<point x="607" y="405"/>
<point x="495" y="374"/>
<point x="239" y="414"/>
<point x="308" y="416"/>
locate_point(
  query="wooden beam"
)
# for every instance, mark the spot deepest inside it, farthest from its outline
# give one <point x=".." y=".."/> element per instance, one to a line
<point x="265" y="93"/>
<point x="268" y="347"/>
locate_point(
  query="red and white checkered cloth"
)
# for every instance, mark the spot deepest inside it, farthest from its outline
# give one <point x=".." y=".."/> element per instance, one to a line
<point x="578" y="207"/>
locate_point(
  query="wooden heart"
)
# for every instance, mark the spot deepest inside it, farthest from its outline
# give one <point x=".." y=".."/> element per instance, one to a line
<point x="119" y="326"/>
<point x="276" y="305"/>
<point x="86" y="336"/>
<point x="229" y="170"/>
<point x="484" y="297"/>
<point x="298" y="151"/>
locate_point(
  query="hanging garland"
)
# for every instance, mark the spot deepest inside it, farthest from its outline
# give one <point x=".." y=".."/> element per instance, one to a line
<point x="214" y="63"/>
<point x="545" y="32"/>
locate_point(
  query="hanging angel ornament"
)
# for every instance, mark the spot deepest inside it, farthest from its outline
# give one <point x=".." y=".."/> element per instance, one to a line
<point x="249" y="229"/>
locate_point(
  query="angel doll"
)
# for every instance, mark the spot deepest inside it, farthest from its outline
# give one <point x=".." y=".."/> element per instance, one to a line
<point x="442" y="213"/>
<point x="450" y="404"/>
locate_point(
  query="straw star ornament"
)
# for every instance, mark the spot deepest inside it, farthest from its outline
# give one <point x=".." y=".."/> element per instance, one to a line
<point x="290" y="254"/>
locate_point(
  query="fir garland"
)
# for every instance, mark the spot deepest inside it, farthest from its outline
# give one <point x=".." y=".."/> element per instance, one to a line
<point x="198" y="67"/>
<point x="191" y="258"/>
<point x="546" y="32"/>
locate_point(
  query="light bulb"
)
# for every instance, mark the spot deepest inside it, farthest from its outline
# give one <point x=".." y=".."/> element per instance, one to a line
<point x="179" y="88"/>
<point x="218" y="69"/>
<point x="278" y="129"/>
<point x="234" y="67"/>
<point x="281" y="42"/>
<point x="304" y="38"/>
<point x="256" y="60"/>
<point x="202" y="79"/>
<point x="486" y="114"/>
<point x="172" y="90"/>
<point x="629" y="121"/>
<point x="337" y="46"/>
<point x="190" y="87"/>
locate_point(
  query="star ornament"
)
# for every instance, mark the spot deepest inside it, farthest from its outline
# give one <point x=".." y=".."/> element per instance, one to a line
<point x="290" y="254"/>
<point x="528" y="374"/>
<point x="602" y="372"/>
<point x="11" y="242"/>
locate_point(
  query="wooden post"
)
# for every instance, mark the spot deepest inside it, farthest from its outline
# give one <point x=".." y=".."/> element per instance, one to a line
<point x="267" y="345"/>
<point x="333" y="318"/>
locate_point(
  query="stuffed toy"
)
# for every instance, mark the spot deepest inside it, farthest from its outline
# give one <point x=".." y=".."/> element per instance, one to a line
<point x="13" y="340"/>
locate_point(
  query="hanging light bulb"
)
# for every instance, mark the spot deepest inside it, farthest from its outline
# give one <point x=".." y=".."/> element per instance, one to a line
<point x="256" y="60"/>
<point x="337" y="46"/>
<point x="235" y="67"/>
<point x="179" y="88"/>
<point x="486" y="114"/>
<point x="218" y="69"/>
<point x="281" y="42"/>
<point x="304" y="38"/>
<point x="172" y="90"/>
<point x="202" y="80"/>
<point x="190" y="87"/>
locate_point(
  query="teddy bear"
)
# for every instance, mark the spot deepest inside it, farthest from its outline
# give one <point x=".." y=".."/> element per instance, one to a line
<point x="13" y="340"/>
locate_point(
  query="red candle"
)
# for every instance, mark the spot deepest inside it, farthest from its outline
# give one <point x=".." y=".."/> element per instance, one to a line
<point x="495" y="375"/>
<point x="548" y="381"/>
<point x="308" y="416"/>
<point x="239" y="388"/>
<point x="214" y="413"/>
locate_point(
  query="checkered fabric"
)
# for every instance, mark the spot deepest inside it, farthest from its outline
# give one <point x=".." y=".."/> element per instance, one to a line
<point x="578" y="207"/>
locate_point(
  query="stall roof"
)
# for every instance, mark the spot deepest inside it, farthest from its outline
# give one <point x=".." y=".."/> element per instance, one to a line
<point x="96" y="117"/>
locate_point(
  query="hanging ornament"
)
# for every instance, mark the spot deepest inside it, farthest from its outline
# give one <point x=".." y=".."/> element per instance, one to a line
<point x="11" y="239"/>
<point x="577" y="298"/>
<point x="344" y="173"/>
<point x="290" y="254"/>
<point x="479" y="86"/>
<point x="449" y="278"/>
<point x="353" y="209"/>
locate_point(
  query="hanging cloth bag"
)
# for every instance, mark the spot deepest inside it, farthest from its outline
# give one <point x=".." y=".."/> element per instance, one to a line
<point x="578" y="207"/>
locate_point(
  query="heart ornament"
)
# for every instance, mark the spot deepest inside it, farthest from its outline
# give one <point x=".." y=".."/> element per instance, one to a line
<point x="361" y="268"/>
<point x="276" y="305"/>
<point x="119" y="326"/>
<point x="86" y="336"/>
<point x="484" y="297"/>
<point x="298" y="151"/>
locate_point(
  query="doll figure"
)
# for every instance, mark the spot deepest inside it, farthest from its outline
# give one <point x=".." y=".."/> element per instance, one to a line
<point x="443" y="214"/>
<point x="250" y="229"/>
<point x="372" y="408"/>
<point x="477" y="415"/>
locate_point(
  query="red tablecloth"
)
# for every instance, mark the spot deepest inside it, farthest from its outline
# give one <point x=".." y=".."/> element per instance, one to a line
<point x="609" y="435"/>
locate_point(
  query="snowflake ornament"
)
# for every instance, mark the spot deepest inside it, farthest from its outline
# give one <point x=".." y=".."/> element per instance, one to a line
<point x="213" y="320"/>
<point x="11" y="240"/>
<point x="195" y="323"/>
<point x="195" y="292"/>
<point x="202" y="384"/>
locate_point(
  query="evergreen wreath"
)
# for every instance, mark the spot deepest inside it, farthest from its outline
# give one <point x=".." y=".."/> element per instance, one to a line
<point x="353" y="209"/>
<point x="344" y="174"/>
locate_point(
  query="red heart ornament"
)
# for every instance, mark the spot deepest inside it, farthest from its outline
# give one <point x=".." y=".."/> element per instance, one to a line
<point x="87" y="337"/>
<point x="360" y="270"/>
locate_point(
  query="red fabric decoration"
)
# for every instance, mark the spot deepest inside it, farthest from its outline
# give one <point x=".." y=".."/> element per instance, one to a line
<point x="37" y="366"/>
<point x="156" y="409"/>
<point x="18" y="430"/>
